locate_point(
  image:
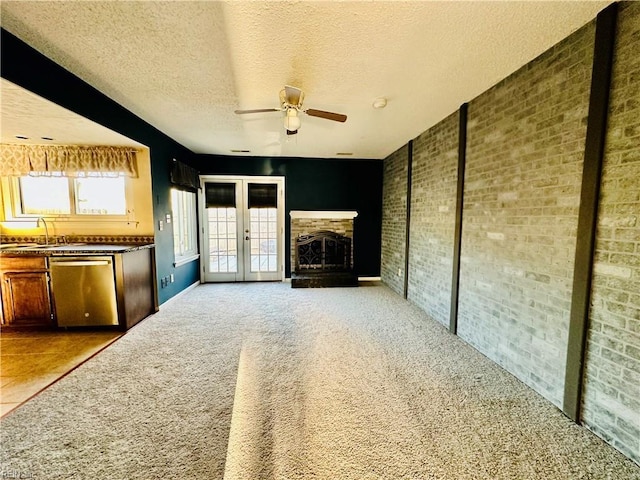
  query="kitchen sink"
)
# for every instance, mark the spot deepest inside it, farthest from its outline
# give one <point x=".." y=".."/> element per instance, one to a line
<point x="6" y="246"/>
<point x="66" y="246"/>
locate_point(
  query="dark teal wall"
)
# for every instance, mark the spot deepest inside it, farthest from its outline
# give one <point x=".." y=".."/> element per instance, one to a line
<point x="320" y="184"/>
<point x="26" y="67"/>
<point x="184" y="275"/>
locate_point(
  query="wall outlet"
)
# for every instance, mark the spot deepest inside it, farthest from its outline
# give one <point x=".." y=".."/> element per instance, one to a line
<point x="399" y="272"/>
<point x="171" y="278"/>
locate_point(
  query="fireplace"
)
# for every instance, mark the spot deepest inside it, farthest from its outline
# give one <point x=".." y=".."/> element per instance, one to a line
<point x="322" y="249"/>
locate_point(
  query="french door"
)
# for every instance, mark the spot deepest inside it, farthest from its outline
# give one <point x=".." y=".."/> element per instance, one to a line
<point x="242" y="221"/>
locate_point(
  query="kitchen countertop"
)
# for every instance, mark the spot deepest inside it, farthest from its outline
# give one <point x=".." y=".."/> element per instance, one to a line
<point x="70" y="249"/>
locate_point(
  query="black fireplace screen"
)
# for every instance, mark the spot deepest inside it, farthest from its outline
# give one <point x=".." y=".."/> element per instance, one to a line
<point x="323" y="251"/>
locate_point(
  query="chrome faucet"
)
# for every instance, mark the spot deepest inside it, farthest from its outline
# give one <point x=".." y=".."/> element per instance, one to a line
<point x="46" y="229"/>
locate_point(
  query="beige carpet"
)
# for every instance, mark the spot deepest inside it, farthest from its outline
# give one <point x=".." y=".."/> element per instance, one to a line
<point x="261" y="381"/>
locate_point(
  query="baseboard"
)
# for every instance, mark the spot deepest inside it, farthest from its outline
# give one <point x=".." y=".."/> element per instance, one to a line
<point x="360" y="279"/>
<point x="179" y="294"/>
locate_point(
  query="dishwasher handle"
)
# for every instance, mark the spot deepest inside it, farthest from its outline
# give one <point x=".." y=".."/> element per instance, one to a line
<point x="81" y="263"/>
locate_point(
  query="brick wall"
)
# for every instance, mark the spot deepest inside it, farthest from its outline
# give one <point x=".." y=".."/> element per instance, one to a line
<point x="525" y="150"/>
<point x="394" y="211"/>
<point x="611" y="402"/>
<point x="433" y="208"/>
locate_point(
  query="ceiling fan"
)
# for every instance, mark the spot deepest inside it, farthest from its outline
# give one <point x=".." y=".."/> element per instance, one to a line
<point x="291" y="99"/>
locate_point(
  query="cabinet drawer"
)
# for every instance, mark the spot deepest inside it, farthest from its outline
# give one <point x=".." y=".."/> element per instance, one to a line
<point x="19" y="263"/>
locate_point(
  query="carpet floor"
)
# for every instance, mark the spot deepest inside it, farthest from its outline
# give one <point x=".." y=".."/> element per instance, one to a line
<point x="261" y="381"/>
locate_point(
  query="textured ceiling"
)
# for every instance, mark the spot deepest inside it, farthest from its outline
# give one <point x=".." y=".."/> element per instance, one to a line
<point x="43" y="122"/>
<point x="185" y="66"/>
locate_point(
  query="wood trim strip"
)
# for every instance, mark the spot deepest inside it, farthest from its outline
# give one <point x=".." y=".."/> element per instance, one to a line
<point x="408" y="218"/>
<point x="588" y="212"/>
<point x="457" y="240"/>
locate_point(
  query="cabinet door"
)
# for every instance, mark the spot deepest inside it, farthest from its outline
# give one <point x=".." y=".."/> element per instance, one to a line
<point x="26" y="298"/>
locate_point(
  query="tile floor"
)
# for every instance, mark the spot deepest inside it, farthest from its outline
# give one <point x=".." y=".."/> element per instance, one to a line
<point x="30" y="361"/>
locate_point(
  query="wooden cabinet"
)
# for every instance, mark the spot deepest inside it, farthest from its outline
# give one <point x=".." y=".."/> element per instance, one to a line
<point x="135" y="286"/>
<point x="25" y="291"/>
<point x="28" y="301"/>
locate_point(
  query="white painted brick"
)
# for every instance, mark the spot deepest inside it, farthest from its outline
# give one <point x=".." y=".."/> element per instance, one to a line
<point x="506" y="196"/>
<point x="612" y="270"/>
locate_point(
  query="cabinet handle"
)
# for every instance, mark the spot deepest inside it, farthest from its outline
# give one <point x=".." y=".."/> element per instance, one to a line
<point x="82" y="263"/>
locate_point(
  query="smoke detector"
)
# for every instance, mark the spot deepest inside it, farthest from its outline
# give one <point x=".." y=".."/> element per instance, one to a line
<point x="380" y="102"/>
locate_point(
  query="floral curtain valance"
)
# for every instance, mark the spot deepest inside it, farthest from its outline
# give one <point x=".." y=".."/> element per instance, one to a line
<point x="68" y="160"/>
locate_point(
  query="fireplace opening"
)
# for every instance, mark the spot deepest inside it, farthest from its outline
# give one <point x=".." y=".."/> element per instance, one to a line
<point x="323" y="259"/>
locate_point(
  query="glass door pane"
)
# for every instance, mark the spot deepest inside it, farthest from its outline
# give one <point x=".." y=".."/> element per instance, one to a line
<point x="223" y="240"/>
<point x="264" y="239"/>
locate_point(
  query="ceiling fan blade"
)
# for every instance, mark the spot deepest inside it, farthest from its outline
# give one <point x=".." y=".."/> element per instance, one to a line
<point x="293" y="95"/>
<point x="257" y="110"/>
<point x="336" y="117"/>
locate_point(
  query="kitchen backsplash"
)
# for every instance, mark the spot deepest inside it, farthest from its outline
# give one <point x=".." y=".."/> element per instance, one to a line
<point x="102" y="239"/>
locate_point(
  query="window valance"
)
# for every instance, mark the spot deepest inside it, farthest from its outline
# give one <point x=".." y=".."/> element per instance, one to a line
<point x="68" y="160"/>
<point x="183" y="175"/>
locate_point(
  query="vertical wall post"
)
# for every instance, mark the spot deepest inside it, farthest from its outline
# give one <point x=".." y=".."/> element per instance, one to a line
<point x="408" y="219"/>
<point x="588" y="212"/>
<point x="457" y="240"/>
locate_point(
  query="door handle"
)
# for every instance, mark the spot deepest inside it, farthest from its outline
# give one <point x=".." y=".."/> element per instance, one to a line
<point x="247" y="237"/>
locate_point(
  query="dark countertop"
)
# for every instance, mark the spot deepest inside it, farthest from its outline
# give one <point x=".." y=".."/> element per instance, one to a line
<point x="71" y="249"/>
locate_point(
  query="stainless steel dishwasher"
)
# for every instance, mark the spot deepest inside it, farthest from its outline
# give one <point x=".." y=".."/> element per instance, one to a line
<point x="84" y="291"/>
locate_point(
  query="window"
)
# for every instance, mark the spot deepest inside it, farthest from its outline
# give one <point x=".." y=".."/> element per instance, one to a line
<point x="44" y="196"/>
<point x="81" y="196"/>
<point x="100" y="196"/>
<point x="185" y="239"/>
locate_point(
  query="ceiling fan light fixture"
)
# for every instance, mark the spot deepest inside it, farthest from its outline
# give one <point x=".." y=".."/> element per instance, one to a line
<point x="291" y="120"/>
<point x="291" y="99"/>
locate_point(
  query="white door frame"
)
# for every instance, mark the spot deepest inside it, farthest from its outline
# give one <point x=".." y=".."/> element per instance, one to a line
<point x="242" y="244"/>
